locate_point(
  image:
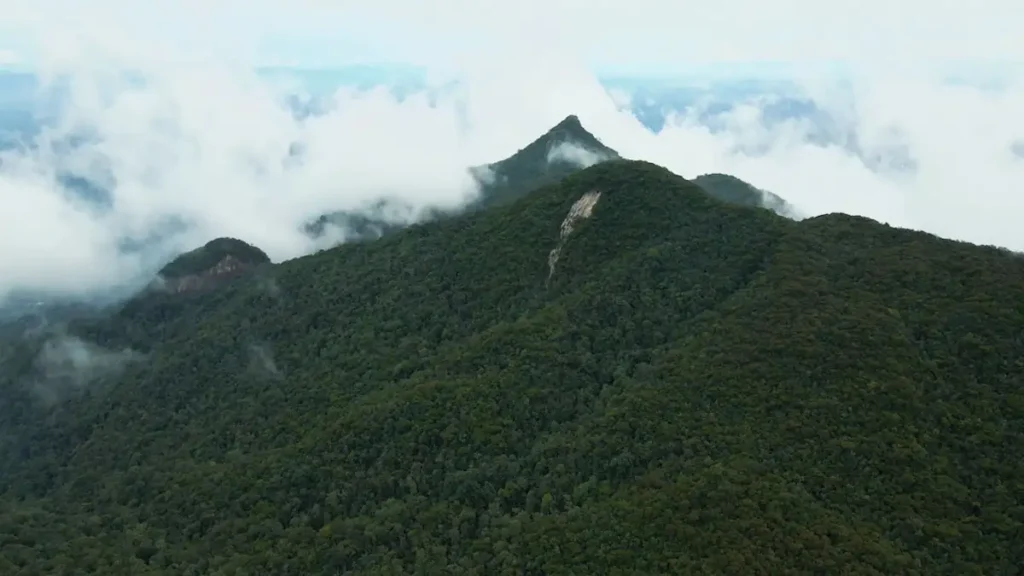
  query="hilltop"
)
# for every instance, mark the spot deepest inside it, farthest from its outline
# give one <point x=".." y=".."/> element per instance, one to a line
<point x="735" y="191"/>
<point x="209" y="255"/>
<point x="615" y="373"/>
<point x="210" y="264"/>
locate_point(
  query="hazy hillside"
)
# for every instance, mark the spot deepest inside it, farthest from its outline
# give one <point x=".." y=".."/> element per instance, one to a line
<point x="615" y="374"/>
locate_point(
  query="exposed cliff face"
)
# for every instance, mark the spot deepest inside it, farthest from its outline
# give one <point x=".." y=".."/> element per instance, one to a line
<point x="580" y="210"/>
<point x="228" y="267"/>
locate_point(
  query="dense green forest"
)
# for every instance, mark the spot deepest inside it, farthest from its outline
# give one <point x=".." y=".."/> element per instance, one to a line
<point x="670" y="385"/>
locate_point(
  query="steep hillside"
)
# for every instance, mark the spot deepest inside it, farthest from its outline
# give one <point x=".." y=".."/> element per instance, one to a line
<point x="615" y="374"/>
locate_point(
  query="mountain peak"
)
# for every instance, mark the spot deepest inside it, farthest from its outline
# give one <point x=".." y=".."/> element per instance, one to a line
<point x="571" y="122"/>
<point x="571" y="131"/>
<point x="564" y="149"/>
<point x="219" y="258"/>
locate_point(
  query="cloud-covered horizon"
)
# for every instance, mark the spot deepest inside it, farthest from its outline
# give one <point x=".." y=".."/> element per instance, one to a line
<point x="170" y="138"/>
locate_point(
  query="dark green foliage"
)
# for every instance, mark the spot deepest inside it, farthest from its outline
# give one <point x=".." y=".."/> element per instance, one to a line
<point x="207" y="256"/>
<point x="533" y="166"/>
<point x="735" y="191"/>
<point x="700" y="388"/>
<point x="729" y="189"/>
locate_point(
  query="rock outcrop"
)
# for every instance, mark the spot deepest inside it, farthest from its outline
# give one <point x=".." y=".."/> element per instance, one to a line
<point x="210" y="265"/>
<point x="227" y="268"/>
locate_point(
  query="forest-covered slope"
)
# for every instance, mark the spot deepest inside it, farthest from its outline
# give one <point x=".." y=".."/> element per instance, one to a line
<point x="667" y="384"/>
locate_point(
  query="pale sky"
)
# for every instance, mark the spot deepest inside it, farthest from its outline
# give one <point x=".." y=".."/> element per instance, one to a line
<point x="638" y="34"/>
<point x="205" y="140"/>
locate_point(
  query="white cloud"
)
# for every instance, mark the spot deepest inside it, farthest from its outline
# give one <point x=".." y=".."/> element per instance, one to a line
<point x="575" y="154"/>
<point x="203" y="139"/>
<point x="66" y="364"/>
<point x="9" y="58"/>
<point x="609" y="31"/>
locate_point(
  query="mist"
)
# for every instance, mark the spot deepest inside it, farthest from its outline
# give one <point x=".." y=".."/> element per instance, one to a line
<point x="66" y="364"/>
<point x="261" y="361"/>
<point x="575" y="154"/>
<point x="182" y="142"/>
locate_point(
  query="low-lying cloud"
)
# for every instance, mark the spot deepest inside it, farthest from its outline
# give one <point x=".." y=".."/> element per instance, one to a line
<point x="575" y="154"/>
<point x="177" y="151"/>
<point x="66" y="364"/>
<point x="201" y="155"/>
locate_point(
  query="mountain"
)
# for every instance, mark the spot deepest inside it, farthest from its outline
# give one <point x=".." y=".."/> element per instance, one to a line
<point x="616" y="373"/>
<point x="207" y="266"/>
<point x="733" y="190"/>
<point x="564" y="149"/>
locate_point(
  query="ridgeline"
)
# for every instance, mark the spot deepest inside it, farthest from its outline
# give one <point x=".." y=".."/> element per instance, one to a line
<point x="616" y="373"/>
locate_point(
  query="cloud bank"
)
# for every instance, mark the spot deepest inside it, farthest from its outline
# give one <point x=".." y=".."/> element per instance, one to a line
<point x="180" y="142"/>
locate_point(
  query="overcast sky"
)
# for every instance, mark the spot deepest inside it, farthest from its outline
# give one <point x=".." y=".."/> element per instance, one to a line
<point x="203" y="139"/>
<point x="656" y="34"/>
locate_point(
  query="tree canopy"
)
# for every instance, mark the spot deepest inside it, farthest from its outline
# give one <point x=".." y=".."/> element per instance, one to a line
<point x="692" y="387"/>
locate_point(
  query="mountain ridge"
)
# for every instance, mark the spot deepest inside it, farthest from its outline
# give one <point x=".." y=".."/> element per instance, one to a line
<point x="562" y="150"/>
<point x="698" y="385"/>
<point x="734" y="190"/>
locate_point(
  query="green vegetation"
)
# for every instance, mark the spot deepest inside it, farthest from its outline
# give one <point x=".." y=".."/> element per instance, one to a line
<point x="735" y="191"/>
<point x="207" y="256"/>
<point x="698" y="388"/>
